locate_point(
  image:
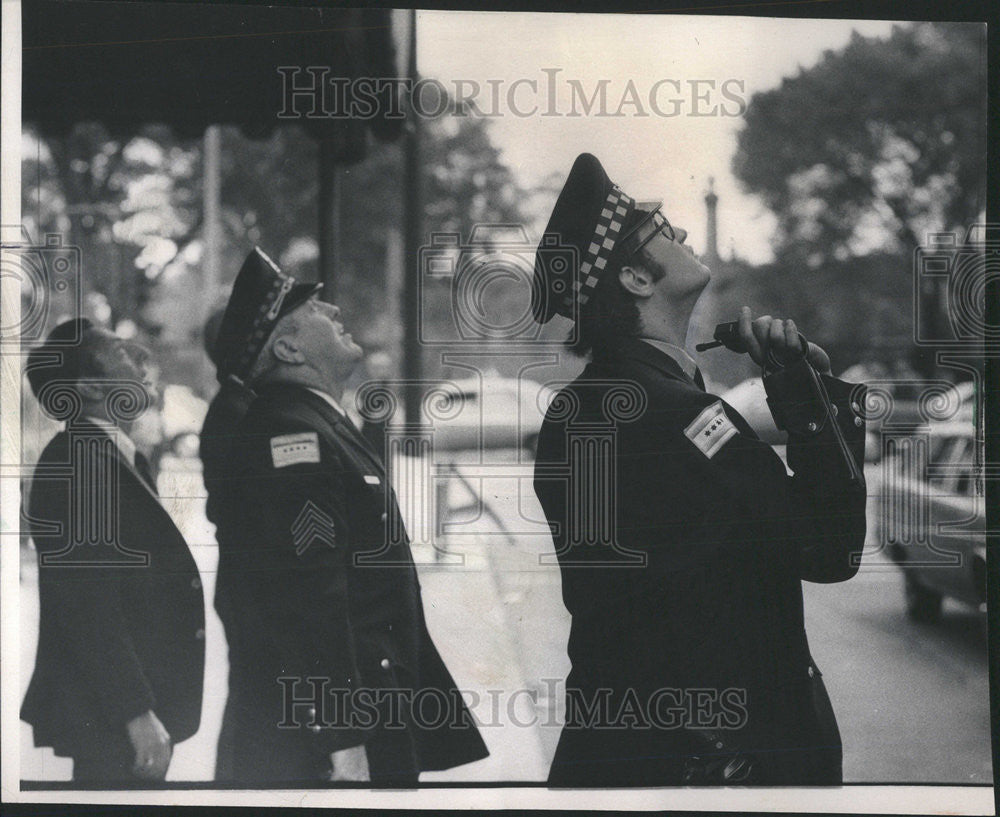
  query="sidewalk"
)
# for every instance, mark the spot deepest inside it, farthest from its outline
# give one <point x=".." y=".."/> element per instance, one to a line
<point x="498" y="620"/>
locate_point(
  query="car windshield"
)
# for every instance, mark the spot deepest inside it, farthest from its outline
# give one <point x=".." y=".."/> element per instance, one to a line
<point x="951" y="464"/>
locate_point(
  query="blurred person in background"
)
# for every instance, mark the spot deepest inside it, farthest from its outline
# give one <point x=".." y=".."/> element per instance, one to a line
<point x="225" y="412"/>
<point x="121" y="648"/>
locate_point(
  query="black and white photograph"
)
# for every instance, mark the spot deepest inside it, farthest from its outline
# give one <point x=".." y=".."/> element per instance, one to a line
<point x="464" y="408"/>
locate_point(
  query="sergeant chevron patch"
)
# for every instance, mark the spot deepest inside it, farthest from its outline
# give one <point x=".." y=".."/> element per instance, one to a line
<point x="711" y="430"/>
<point x="312" y="524"/>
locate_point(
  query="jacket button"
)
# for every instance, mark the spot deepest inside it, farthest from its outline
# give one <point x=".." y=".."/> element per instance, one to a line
<point x="385" y="517"/>
<point x="315" y="728"/>
<point x="312" y="712"/>
<point x="812" y="426"/>
<point x="855" y="408"/>
<point x="196" y="583"/>
<point x="836" y="411"/>
<point x="858" y="422"/>
<point x="200" y="634"/>
<point x="811" y="672"/>
<point x="384" y="663"/>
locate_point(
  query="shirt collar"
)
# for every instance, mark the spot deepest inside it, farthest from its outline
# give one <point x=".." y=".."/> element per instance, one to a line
<point x="684" y="360"/>
<point x="119" y="437"/>
<point x="330" y="401"/>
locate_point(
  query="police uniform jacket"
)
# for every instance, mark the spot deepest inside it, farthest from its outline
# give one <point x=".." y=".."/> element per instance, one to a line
<point x="121" y="626"/>
<point x="725" y="536"/>
<point x="225" y="411"/>
<point x="317" y="582"/>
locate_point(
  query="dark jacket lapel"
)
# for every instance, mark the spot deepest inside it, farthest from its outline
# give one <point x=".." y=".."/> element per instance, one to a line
<point x="126" y="467"/>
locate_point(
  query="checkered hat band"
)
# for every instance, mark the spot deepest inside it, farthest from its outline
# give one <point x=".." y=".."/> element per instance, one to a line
<point x="610" y="221"/>
<point x="263" y="324"/>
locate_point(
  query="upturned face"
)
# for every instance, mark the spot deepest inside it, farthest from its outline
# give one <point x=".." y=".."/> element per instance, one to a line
<point x="322" y="340"/>
<point x="111" y="358"/>
<point x="684" y="273"/>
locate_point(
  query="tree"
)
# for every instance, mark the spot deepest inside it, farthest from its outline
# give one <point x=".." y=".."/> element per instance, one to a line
<point x="132" y="203"/>
<point x="873" y="147"/>
<point x="871" y="150"/>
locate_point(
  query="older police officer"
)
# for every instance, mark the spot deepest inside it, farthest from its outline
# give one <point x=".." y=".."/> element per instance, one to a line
<point x="681" y="538"/>
<point x="333" y="674"/>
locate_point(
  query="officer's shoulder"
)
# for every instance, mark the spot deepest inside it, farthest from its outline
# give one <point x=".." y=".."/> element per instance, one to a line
<point x="277" y="421"/>
<point x="632" y="396"/>
<point x="280" y="407"/>
<point x="674" y="404"/>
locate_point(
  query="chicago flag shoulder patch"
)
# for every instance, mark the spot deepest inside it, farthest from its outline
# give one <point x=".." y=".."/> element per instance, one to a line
<point x="292" y="449"/>
<point x="711" y="430"/>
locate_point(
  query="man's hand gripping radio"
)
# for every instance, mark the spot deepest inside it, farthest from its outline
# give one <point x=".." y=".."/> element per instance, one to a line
<point x="786" y="354"/>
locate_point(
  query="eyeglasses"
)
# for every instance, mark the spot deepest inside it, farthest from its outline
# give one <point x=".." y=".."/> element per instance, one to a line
<point x="647" y="231"/>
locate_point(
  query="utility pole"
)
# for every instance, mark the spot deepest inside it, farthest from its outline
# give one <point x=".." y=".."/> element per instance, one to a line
<point x="211" y="206"/>
<point x="329" y="217"/>
<point x="211" y="267"/>
<point x="413" y="209"/>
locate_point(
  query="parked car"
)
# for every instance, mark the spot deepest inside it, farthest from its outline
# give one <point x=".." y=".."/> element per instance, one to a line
<point x="484" y="413"/>
<point x="931" y="518"/>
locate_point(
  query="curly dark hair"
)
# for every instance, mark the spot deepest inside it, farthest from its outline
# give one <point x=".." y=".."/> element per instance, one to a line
<point x="611" y="313"/>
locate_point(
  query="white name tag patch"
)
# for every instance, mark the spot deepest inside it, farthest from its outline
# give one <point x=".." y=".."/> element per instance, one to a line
<point x="371" y="479"/>
<point x="292" y="449"/>
<point x="711" y="430"/>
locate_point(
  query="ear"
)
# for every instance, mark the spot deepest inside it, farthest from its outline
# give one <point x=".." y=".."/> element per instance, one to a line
<point x="636" y="281"/>
<point x="286" y="350"/>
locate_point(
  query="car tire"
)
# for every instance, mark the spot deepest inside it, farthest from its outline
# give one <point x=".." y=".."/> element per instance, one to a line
<point x="923" y="605"/>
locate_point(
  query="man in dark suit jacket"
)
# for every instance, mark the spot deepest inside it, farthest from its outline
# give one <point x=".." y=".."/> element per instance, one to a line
<point x="682" y="539"/>
<point x="121" y="649"/>
<point x="333" y="673"/>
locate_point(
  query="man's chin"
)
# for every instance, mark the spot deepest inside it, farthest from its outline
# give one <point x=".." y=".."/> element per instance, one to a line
<point x="702" y="281"/>
<point x="351" y="354"/>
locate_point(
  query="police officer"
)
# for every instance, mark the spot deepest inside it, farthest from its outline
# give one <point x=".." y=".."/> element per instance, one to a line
<point x="682" y="540"/>
<point x="121" y="646"/>
<point x="333" y="673"/>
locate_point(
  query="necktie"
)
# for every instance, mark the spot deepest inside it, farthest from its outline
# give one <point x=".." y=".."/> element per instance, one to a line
<point x="699" y="381"/>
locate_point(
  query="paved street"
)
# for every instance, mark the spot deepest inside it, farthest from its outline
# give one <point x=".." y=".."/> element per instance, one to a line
<point x="912" y="700"/>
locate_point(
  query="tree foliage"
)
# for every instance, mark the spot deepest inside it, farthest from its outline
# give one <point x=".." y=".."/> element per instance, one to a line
<point x="874" y="146"/>
<point x="133" y="204"/>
